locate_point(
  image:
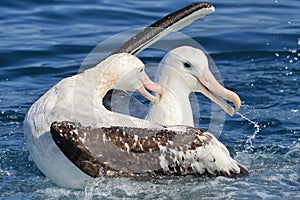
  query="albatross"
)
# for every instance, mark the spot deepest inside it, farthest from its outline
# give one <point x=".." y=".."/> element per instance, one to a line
<point x="182" y="71"/>
<point x="79" y="98"/>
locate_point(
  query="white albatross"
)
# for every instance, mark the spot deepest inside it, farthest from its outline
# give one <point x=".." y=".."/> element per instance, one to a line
<point x="129" y="151"/>
<point x="79" y="98"/>
<point x="182" y="71"/>
<point x="185" y="70"/>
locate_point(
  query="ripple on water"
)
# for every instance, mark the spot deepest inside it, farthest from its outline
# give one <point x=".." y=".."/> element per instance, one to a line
<point x="256" y="53"/>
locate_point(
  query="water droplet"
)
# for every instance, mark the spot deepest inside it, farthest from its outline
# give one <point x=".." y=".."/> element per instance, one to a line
<point x="294" y="110"/>
<point x="277" y="54"/>
<point x="256" y="131"/>
<point x="298" y="41"/>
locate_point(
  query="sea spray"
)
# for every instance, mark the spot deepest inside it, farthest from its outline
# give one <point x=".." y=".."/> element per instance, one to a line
<point x="249" y="145"/>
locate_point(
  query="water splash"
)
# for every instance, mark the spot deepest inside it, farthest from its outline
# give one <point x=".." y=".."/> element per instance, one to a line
<point x="249" y="145"/>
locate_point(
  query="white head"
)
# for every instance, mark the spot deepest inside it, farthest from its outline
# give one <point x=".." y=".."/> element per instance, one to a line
<point x="191" y="64"/>
<point x="126" y="72"/>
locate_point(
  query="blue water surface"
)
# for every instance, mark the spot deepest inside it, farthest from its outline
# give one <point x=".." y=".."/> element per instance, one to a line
<point x="254" y="44"/>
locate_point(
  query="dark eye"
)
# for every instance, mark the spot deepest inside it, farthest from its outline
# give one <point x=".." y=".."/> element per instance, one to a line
<point x="141" y="70"/>
<point x="187" y="65"/>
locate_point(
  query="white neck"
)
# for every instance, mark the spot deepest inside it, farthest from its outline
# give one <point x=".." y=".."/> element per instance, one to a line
<point x="95" y="82"/>
<point x="174" y="107"/>
<point x="93" y="85"/>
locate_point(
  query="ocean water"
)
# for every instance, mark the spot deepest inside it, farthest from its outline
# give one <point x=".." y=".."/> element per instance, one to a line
<point x="255" y="46"/>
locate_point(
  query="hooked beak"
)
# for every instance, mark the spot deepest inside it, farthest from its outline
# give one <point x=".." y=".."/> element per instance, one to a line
<point x="150" y="85"/>
<point x="211" y="88"/>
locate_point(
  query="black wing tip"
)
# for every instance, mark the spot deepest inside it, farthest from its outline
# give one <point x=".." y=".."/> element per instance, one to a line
<point x="202" y="4"/>
<point x="243" y="170"/>
<point x="234" y="174"/>
<point x="141" y="39"/>
<point x="194" y="7"/>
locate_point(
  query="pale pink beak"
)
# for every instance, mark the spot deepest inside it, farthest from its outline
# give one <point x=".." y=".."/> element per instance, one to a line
<point x="150" y="85"/>
<point x="211" y="88"/>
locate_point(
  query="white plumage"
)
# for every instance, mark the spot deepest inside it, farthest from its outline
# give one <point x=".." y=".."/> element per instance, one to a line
<point x="182" y="71"/>
<point x="79" y="98"/>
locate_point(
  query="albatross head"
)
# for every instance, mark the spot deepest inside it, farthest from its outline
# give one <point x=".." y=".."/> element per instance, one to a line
<point x="192" y="65"/>
<point x="129" y="74"/>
